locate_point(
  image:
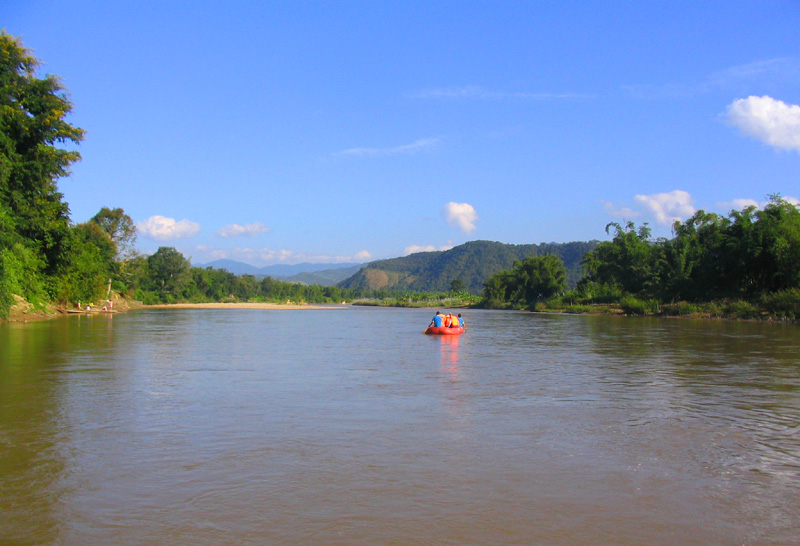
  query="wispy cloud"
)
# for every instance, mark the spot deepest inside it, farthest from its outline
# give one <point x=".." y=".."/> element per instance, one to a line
<point x="766" y="119"/>
<point x="248" y="230"/>
<point x="666" y="208"/>
<point x="736" y="78"/>
<point x="161" y="228"/>
<point x="460" y="215"/>
<point x="472" y="92"/>
<point x="421" y="145"/>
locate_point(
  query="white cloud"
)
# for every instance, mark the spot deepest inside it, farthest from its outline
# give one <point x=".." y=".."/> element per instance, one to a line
<point x="420" y="145"/>
<point x="249" y="230"/>
<point x="668" y="207"/>
<point x="363" y="256"/>
<point x="413" y="249"/>
<point x="162" y="228"/>
<point x="766" y="119"/>
<point x="478" y="93"/>
<point x="460" y="215"/>
<point x="620" y="211"/>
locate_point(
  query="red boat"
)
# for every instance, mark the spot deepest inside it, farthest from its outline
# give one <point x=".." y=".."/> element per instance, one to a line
<point x="444" y="331"/>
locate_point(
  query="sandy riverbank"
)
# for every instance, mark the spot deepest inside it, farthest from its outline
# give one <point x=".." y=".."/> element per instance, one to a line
<point x="281" y="306"/>
<point x="22" y="311"/>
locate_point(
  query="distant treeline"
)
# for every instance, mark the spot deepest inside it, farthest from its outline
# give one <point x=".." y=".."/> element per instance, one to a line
<point x="749" y="261"/>
<point x="167" y="277"/>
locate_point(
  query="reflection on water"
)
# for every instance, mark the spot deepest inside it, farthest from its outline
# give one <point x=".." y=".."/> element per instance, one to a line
<point x="32" y="438"/>
<point x="450" y="355"/>
<point x="330" y="427"/>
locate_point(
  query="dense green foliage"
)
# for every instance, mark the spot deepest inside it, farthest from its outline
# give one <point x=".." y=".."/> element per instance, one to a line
<point x="471" y="263"/>
<point x="745" y="255"/>
<point x="36" y="240"/>
<point x="534" y="279"/>
<point x="744" y="265"/>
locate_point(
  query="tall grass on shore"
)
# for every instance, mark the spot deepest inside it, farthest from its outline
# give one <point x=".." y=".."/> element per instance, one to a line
<point x="782" y="305"/>
<point x="445" y="300"/>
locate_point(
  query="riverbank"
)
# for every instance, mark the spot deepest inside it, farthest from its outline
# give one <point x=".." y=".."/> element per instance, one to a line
<point x="23" y="311"/>
<point x="274" y="306"/>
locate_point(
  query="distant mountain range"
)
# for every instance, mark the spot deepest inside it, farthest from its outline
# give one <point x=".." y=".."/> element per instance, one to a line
<point x="473" y="263"/>
<point x="306" y="273"/>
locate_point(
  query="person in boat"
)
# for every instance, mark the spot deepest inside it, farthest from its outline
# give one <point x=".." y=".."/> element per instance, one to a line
<point x="461" y="322"/>
<point x="437" y="320"/>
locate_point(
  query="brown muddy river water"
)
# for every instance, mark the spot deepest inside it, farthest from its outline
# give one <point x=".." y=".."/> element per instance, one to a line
<point x="349" y="427"/>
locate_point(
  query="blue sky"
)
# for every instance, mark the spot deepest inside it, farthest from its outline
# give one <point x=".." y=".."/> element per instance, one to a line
<point x="287" y="132"/>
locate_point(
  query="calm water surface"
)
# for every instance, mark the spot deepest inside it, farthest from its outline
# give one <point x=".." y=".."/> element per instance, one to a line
<point x="347" y="426"/>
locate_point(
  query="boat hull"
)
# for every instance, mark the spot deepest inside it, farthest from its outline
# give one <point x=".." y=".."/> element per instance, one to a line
<point x="444" y="331"/>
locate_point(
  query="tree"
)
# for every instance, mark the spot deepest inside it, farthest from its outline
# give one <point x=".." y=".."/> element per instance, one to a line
<point x="539" y="278"/>
<point x="119" y="227"/>
<point x="457" y="285"/>
<point x="32" y="119"/>
<point x="626" y="261"/>
<point x="778" y="234"/>
<point x="169" y="272"/>
<point x="90" y="264"/>
<point x="495" y="290"/>
<point x="534" y="279"/>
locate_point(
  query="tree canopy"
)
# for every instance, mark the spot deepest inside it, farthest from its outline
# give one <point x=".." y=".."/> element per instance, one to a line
<point x="35" y="232"/>
<point x="744" y="255"/>
<point x="534" y="279"/>
<point x="32" y="125"/>
<point x="119" y="227"/>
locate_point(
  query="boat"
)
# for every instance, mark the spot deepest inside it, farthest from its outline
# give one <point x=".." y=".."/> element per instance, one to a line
<point x="444" y="331"/>
<point x="450" y="326"/>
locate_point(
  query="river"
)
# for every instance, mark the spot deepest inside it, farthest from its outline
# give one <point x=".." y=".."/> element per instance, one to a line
<point x="348" y="426"/>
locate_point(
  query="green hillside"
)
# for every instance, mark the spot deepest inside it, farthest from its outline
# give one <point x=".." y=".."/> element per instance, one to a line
<point x="326" y="277"/>
<point x="473" y="263"/>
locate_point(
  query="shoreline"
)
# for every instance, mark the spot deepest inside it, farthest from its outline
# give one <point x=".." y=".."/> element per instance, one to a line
<point x="243" y="305"/>
<point x="22" y="311"/>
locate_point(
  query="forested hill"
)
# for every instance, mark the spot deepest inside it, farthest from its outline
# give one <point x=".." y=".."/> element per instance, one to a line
<point x="473" y="263"/>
